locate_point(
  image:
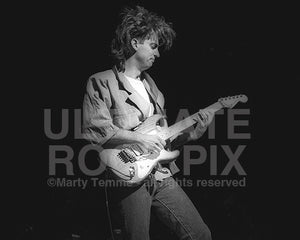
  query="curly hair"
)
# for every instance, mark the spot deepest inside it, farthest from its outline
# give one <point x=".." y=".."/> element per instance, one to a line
<point x="141" y="24"/>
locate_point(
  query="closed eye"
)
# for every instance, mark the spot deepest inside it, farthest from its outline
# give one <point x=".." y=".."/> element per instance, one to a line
<point x="154" y="45"/>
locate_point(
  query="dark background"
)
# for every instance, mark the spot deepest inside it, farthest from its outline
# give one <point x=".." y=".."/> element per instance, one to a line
<point x="220" y="50"/>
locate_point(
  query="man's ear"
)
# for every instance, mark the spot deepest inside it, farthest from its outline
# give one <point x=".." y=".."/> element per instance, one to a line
<point x="134" y="43"/>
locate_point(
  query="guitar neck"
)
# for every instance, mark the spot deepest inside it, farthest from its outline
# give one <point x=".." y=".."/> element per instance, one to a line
<point x="187" y="122"/>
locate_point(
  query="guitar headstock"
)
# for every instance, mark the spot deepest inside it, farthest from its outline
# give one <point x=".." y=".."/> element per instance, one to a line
<point x="231" y="101"/>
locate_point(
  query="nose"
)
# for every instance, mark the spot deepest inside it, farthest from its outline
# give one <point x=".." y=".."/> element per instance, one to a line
<point x="156" y="53"/>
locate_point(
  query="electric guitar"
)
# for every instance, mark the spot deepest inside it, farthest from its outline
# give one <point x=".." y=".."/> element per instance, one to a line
<point x="128" y="162"/>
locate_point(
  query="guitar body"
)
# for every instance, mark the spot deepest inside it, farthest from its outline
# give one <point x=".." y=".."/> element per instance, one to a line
<point x="130" y="165"/>
<point x="135" y="171"/>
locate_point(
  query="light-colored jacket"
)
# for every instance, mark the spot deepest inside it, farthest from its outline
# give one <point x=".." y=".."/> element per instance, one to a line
<point x="111" y="103"/>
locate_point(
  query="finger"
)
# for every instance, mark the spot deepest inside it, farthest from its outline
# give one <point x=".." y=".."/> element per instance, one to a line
<point x="206" y="115"/>
<point x="142" y="149"/>
<point x="210" y="116"/>
<point x="155" y="149"/>
<point x="159" y="141"/>
<point x="202" y="118"/>
<point x="159" y="145"/>
<point x="200" y="114"/>
<point x="151" y="149"/>
<point x="163" y="142"/>
<point x="156" y="143"/>
<point x="200" y="124"/>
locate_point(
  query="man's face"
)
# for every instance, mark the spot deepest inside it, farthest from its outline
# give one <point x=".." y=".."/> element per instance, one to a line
<point x="146" y="52"/>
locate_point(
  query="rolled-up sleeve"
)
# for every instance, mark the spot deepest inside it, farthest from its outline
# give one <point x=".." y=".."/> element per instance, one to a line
<point x="98" y="126"/>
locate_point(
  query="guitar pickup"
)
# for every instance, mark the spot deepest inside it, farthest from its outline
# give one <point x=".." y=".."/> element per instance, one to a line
<point x="126" y="157"/>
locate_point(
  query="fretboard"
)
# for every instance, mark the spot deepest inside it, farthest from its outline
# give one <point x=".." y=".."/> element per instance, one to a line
<point x="186" y="123"/>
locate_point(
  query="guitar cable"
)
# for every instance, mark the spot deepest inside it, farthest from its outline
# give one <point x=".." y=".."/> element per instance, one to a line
<point x="107" y="210"/>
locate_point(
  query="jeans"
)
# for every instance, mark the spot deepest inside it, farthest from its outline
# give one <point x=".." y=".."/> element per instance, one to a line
<point x="169" y="203"/>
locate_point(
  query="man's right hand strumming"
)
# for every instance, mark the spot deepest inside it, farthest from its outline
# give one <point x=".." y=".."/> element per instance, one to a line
<point x="150" y="143"/>
<point x="147" y="143"/>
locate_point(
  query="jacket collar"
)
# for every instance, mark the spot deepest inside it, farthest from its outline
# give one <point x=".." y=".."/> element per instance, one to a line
<point x="134" y="96"/>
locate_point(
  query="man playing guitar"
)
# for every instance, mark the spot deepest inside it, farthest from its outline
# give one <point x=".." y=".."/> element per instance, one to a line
<point x="116" y="102"/>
